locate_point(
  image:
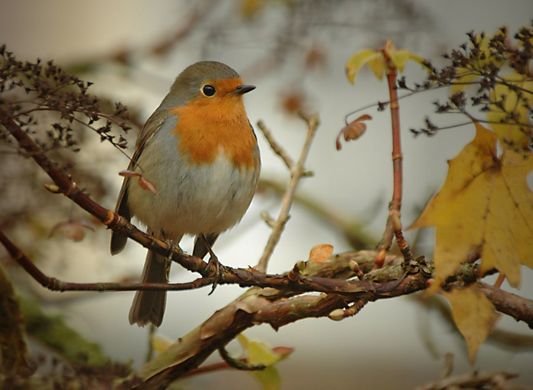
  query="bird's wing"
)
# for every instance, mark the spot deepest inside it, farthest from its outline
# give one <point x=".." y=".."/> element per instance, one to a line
<point x="152" y="125"/>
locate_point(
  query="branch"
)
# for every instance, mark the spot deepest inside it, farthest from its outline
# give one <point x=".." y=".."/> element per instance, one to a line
<point x="513" y="305"/>
<point x="252" y="308"/>
<point x="393" y="220"/>
<point x="54" y="284"/>
<point x="107" y="217"/>
<point x="242" y="277"/>
<point x="353" y="230"/>
<point x="297" y="172"/>
<point x="473" y="380"/>
<point x="397" y="157"/>
<point x="276" y="148"/>
<point x="224" y="365"/>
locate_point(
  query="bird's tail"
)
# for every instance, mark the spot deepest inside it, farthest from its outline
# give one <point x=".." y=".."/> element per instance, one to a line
<point x="149" y="306"/>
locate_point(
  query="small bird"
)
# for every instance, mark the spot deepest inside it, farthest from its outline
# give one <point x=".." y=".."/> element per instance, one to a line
<point x="200" y="151"/>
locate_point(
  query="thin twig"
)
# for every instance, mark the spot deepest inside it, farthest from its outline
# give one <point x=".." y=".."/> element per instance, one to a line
<point x="397" y="157"/>
<point x="240" y="276"/>
<point x="239" y="364"/>
<point x="396" y="145"/>
<point x="54" y="284"/>
<point x="275" y="146"/>
<point x="297" y="172"/>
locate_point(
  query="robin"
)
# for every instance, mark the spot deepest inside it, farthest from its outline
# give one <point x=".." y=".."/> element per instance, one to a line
<point x="200" y="151"/>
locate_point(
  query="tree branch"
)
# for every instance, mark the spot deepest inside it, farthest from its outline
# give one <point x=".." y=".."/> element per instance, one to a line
<point x="513" y="305"/>
<point x="297" y="172"/>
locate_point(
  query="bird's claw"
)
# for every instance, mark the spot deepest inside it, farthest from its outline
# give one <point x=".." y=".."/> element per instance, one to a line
<point x="171" y="248"/>
<point x="214" y="269"/>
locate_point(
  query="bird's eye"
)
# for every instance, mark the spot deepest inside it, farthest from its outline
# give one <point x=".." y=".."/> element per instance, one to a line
<point x="208" y="90"/>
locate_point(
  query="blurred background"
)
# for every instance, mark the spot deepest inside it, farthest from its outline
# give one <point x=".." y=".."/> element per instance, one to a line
<point x="295" y="53"/>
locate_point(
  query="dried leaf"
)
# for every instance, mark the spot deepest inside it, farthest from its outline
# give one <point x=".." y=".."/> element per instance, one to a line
<point x="474" y="316"/>
<point x="129" y="174"/>
<point x="353" y="130"/>
<point x="147" y="185"/>
<point x="320" y="253"/>
<point x="73" y="230"/>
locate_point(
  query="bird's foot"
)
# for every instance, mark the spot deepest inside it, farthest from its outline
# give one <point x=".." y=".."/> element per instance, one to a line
<point x="213" y="266"/>
<point x="172" y="246"/>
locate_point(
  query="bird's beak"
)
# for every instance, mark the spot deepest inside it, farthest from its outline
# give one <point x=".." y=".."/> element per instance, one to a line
<point x="242" y="89"/>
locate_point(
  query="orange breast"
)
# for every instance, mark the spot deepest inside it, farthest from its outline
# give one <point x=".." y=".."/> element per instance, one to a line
<point x="208" y="126"/>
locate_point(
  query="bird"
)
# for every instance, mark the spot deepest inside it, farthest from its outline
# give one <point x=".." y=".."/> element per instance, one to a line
<point x="200" y="152"/>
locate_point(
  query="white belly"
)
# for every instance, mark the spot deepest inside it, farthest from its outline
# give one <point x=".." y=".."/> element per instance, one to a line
<point x="196" y="199"/>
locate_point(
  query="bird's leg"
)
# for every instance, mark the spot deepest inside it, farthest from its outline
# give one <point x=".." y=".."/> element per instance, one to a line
<point x="171" y="247"/>
<point x="213" y="263"/>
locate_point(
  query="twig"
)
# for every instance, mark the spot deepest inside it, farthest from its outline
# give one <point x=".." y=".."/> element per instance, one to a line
<point x="114" y="221"/>
<point x="400" y="239"/>
<point x="355" y="231"/>
<point x="240" y="276"/>
<point x="472" y="380"/>
<point x="54" y="284"/>
<point x="239" y="364"/>
<point x="185" y="29"/>
<point x="513" y="305"/>
<point x="151" y="349"/>
<point x="397" y="157"/>
<point x="276" y="148"/>
<point x="297" y="172"/>
<point x="396" y="145"/>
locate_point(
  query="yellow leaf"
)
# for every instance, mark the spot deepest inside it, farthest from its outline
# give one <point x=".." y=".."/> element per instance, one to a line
<point x="268" y="378"/>
<point x="485" y="206"/>
<point x="388" y="59"/>
<point x="261" y="353"/>
<point x="508" y="131"/>
<point x="463" y="80"/>
<point x="357" y="61"/>
<point x="474" y="316"/>
<point x="320" y="253"/>
<point x="400" y="58"/>
<point x="417" y="58"/>
<point x="160" y="343"/>
<point x="243" y="340"/>
<point x="250" y="8"/>
<point x="378" y="65"/>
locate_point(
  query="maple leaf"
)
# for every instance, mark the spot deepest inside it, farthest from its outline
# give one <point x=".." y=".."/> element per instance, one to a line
<point x="474" y="316"/>
<point x="515" y="109"/>
<point x="485" y="207"/>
